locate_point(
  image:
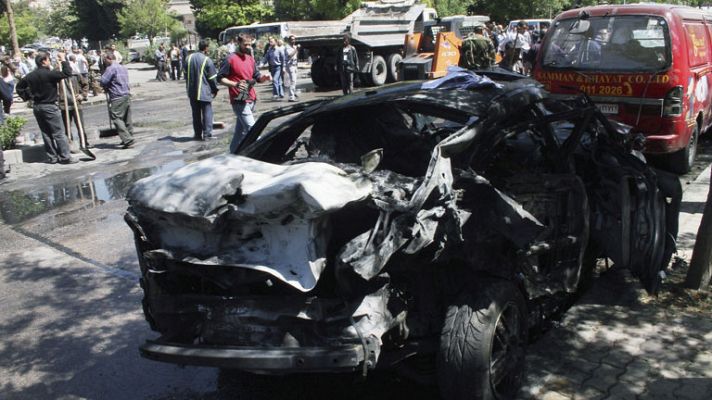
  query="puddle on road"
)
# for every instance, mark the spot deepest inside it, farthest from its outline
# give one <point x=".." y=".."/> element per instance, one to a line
<point x="19" y="206"/>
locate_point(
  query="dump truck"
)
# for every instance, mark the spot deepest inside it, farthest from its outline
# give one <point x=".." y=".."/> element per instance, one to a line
<point x="376" y="30"/>
<point x="429" y="53"/>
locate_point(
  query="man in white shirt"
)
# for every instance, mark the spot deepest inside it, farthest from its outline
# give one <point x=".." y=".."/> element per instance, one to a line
<point x="83" y="69"/>
<point x="231" y="46"/>
<point x="291" y="54"/>
<point x="522" y="43"/>
<point x="117" y="54"/>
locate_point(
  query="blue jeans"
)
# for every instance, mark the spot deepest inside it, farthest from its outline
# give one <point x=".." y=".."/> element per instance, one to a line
<point x="243" y="122"/>
<point x="202" y="118"/>
<point x="277" y="86"/>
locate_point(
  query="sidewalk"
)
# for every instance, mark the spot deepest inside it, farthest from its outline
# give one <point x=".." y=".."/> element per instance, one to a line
<point x="618" y="343"/>
<point x="139" y="74"/>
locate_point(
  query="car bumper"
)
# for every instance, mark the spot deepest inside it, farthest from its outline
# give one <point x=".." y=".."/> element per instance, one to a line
<point x="261" y="359"/>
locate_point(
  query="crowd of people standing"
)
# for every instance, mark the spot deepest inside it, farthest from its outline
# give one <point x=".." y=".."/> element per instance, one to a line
<point x="56" y="83"/>
<point x="514" y="49"/>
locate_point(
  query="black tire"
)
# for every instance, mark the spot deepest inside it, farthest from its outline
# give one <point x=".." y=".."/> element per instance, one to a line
<point x="379" y="71"/>
<point x="319" y="73"/>
<point x="394" y="61"/>
<point x="680" y="162"/>
<point x="483" y="343"/>
<point x="362" y="79"/>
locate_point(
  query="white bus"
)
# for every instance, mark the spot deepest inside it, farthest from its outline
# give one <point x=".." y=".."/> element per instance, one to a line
<point x="260" y="32"/>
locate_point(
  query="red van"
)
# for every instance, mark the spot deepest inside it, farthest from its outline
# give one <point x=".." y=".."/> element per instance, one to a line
<point x="648" y="66"/>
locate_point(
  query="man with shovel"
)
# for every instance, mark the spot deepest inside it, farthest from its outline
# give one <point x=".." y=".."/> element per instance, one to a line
<point x="41" y="86"/>
<point x="115" y="82"/>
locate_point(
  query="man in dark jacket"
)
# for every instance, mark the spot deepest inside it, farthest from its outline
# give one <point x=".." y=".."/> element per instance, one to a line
<point x="42" y="83"/>
<point x="5" y="95"/>
<point x="347" y="64"/>
<point x="6" y="89"/>
<point x="201" y="85"/>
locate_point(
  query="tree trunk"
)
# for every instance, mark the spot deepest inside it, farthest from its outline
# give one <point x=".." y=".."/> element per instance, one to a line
<point x="13" y="31"/>
<point x="698" y="276"/>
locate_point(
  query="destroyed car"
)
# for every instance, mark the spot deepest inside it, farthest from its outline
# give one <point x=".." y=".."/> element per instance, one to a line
<point x="438" y="220"/>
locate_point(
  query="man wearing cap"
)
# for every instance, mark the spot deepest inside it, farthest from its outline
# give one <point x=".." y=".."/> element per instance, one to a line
<point x="201" y="85"/>
<point x="477" y="52"/>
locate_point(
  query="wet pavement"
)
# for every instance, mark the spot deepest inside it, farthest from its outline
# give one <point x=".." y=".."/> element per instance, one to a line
<point x="71" y="303"/>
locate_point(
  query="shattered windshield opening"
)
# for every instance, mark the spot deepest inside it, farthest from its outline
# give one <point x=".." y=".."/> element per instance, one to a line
<point x="406" y="133"/>
<point x="619" y="43"/>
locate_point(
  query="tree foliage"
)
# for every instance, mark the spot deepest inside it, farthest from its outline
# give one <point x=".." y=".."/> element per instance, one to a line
<point x="62" y="20"/>
<point x="146" y="17"/>
<point x="212" y="16"/>
<point x="313" y="10"/>
<point x="26" y="25"/>
<point x="97" y="19"/>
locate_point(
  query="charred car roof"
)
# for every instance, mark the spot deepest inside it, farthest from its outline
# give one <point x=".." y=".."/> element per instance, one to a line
<point x="450" y="96"/>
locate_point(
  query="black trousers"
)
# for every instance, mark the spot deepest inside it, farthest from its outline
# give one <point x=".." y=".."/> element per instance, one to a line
<point x="49" y="118"/>
<point x="175" y="70"/>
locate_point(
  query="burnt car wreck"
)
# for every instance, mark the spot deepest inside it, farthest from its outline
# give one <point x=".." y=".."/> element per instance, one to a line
<point x="442" y="219"/>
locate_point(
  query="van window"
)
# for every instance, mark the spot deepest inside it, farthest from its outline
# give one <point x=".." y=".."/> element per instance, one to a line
<point x="697" y="44"/>
<point x="617" y="43"/>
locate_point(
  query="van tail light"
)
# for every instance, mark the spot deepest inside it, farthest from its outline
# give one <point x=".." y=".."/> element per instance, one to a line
<point x="672" y="105"/>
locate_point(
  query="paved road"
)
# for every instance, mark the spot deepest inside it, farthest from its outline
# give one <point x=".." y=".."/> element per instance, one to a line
<point x="71" y="318"/>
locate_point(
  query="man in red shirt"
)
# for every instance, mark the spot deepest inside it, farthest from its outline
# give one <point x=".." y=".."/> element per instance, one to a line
<point x="239" y="72"/>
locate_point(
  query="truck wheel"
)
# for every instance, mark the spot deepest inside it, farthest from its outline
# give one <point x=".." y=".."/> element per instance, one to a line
<point x="680" y="162"/>
<point x="379" y="71"/>
<point x="394" y="61"/>
<point x="318" y="73"/>
<point x="483" y="343"/>
<point x="363" y="79"/>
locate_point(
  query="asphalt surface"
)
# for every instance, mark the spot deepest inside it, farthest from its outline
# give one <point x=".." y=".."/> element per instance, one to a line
<point x="71" y="317"/>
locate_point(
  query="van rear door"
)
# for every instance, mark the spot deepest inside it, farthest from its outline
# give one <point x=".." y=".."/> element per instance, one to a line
<point x="621" y="61"/>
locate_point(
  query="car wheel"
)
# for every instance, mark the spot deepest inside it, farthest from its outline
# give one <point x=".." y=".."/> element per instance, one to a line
<point x="483" y="343"/>
<point x="379" y="71"/>
<point x="681" y="161"/>
<point x="394" y="61"/>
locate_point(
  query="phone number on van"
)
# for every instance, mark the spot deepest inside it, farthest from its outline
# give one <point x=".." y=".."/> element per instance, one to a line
<point x="607" y="90"/>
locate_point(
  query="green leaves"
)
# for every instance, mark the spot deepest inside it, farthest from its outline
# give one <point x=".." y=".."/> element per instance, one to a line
<point x="212" y="16"/>
<point x="26" y="25"/>
<point x="10" y="129"/>
<point x="146" y="17"/>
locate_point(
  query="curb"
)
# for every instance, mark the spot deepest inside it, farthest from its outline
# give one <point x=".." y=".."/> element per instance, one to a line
<point x="694" y="197"/>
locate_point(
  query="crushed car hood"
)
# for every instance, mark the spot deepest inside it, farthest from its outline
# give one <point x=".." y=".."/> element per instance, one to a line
<point x="280" y="209"/>
<point x="247" y="186"/>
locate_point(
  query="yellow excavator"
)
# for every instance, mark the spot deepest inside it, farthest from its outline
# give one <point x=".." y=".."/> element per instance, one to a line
<point x="428" y="54"/>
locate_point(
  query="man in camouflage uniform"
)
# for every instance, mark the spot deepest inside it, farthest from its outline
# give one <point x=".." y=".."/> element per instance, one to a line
<point x="477" y="51"/>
